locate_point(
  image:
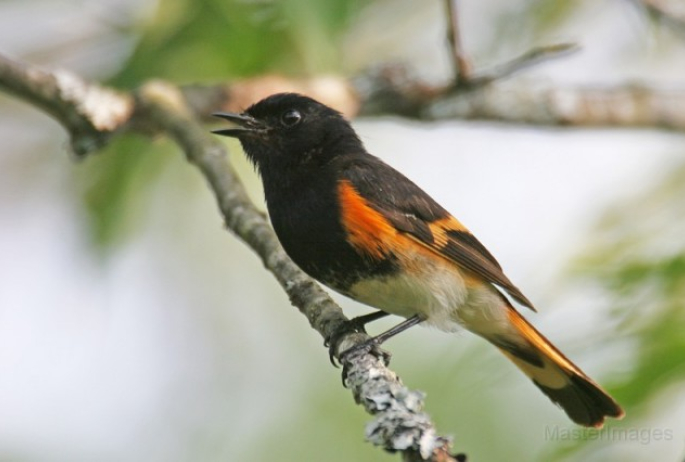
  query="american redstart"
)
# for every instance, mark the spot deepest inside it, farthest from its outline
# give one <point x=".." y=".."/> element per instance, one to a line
<point x="363" y="229"/>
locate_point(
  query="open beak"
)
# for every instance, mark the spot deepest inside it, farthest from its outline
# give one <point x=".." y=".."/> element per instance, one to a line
<point x="244" y="124"/>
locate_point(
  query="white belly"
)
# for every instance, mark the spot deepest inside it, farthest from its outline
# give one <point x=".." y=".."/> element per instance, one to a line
<point x="437" y="292"/>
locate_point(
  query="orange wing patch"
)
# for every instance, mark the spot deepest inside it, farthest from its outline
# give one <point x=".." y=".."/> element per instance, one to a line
<point x="439" y="228"/>
<point x="452" y="241"/>
<point x="367" y="230"/>
<point x="374" y="234"/>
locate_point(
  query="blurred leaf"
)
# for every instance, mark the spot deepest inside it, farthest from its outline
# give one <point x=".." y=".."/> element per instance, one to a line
<point x="659" y="360"/>
<point x="215" y="39"/>
<point x="639" y="262"/>
<point x="115" y="184"/>
<point x="547" y="15"/>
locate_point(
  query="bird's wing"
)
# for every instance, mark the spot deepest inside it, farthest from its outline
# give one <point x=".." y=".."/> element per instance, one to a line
<point x="401" y="204"/>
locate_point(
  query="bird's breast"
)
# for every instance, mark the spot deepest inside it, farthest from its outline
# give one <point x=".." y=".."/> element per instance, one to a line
<point x="308" y="223"/>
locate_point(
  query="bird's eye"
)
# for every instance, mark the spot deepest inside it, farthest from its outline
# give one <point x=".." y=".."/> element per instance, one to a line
<point x="291" y="118"/>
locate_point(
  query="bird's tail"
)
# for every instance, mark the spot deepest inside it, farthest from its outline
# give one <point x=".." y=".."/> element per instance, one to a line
<point x="562" y="381"/>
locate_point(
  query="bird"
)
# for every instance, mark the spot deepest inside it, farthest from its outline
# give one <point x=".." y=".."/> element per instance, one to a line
<point x="362" y="228"/>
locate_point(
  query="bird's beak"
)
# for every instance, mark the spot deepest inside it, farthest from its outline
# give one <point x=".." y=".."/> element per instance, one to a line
<point x="244" y="124"/>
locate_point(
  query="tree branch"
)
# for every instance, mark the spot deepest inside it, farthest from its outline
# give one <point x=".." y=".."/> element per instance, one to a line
<point x="400" y="425"/>
<point x="395" y="90"/>
<point x="625" y="106"/>
<point x="89" y="113"/>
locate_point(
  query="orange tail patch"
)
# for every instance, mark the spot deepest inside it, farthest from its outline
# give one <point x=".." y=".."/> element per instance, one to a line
<point x="585" y="402"/>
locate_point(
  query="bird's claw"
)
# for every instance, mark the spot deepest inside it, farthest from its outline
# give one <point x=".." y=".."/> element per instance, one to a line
<point x="370" y="346"/>
<point x="333" y="340"/>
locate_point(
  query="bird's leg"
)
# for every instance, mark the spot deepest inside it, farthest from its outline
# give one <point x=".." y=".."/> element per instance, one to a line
<point x="401" y="327"/>
<point x="361" y="321"/>
<point x="374" y="343"/>
<point x="354" y="325"/>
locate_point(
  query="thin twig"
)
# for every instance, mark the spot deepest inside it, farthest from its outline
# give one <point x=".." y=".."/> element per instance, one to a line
<point x="460" y="60"/>
<point x="530" y="58"/>
<point x="464" y="75"/>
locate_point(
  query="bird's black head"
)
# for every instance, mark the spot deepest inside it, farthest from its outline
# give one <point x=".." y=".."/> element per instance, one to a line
<point x="289" y="131"/>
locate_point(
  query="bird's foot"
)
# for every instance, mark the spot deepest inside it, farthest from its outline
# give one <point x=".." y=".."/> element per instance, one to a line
<point x="371" y="346"/>
<point x="353" y="326"/>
